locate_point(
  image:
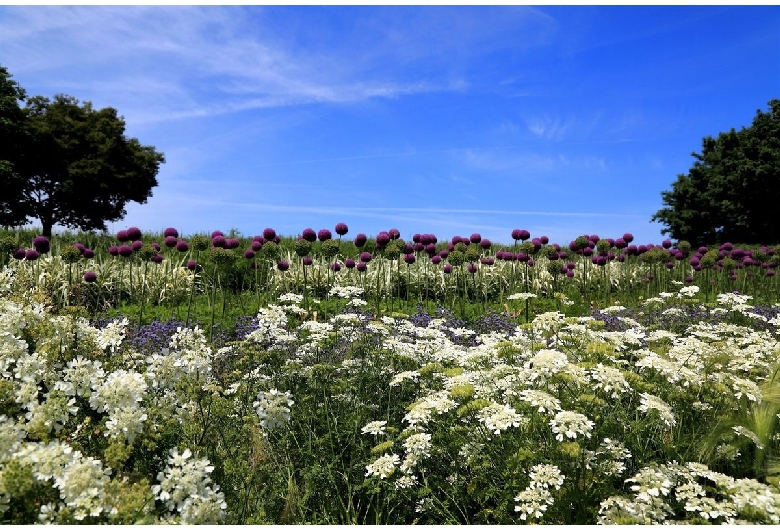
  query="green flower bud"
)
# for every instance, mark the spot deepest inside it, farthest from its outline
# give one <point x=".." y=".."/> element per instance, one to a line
<point x="70" y="254"/>
<point x="147" y="252"/>
<point x="709" y="259"/>
<point x="456" y="257"/>
<point x="460" y="246"/>
<point x="602" y="245"/>
<point x="472" y="253"/>
<point x="271" y="251"/>
<point x="302" y="247"/>
<point x="330" y="248"/>
<point x="7" y="245"/>
<point x="223" y="256"/>
<point x="393" y="250"/>
<point x="200" y="242"/>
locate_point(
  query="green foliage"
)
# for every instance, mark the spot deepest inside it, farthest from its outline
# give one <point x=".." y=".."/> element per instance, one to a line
<point x="730" y="191"/>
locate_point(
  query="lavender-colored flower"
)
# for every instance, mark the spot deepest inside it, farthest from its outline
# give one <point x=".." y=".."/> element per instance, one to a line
<point x="134" y="233"/>
<point x="42" y="244"/>
<point x="169" y="241"/>
<point x="122" y="237"/>
<point x="382" y="239"/>
<point x="219" y="241"/>
<point x="90" y="276"/>
<point x="430" y="249"/>
<point x="365" y="257"/>
<point x="485" y="244"/>
<point x="216" y="233"/>
<point x="182" y="245"/>
<point x="192" y="264"/>
<point x="394" y="233"/>
<point x="136" y="245"/>
<point x="171" y="232"/>
<point x="125" y="251"/>
<point x="324" y="234"/>
<point x="666" y="243"/>
<point x="409" y="259"/>
<point x="19" y="253"/>
<point x="31" y="255"/>
<point x="88" y="253"/>
<point x="520" y="235"/>
<point x="472" y="268"/>
<point x="232" y="242"/>
<point x="436" y="259"/>
<point x="475" y="238"/>
<point x="307" y="260"/>
<point x="544" y="240"/>
<point x="444" y="253"/>
<point x="360" y="240"/>
<point x="113" y="250"/>
<point x="335" y="266"/>
<point x="447" y="269"/>
<point x="282" y="265"/>
<point x="349" y="263"/>
<point x="249" y="254"/>
<point x="269" y="234"/>
<point x="155" y="246"/>
<point x="361" y="266"/>
<point x="157" y="258"/>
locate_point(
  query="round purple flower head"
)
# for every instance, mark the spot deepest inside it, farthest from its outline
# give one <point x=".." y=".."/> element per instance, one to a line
<point x="475" y="238"/>
<point x="521" y="235"/>
<point x="157" y="258"/>
<point x="170" y="241"/>
<point x="409" y="259"/>
<point x="282" y="265"/>
<point x="324" y="234"/>
<point x="257" y="245"/>
<point x="444" y="253"/>
<point x="192" y="264"/>
<point x="134" y="233"/>
<point x="365" y="257"/>
<point x="485" y="244"/>
<point x="360" y="240"/>
<point x="122" y="237"/>
<point x="417" y="247"/>
<point x="394" y="233"/>
<point x="621" y="243"/>
<point x="569" y="273"/>
<point x="182" y="245"/>
<point x="544" y="240"/>
<point x="277" y="239"/>
<point x="770" y="272"/>
<point x="430" y="249"/>
<point x="31" y="255"/>
<point x="587" y="251"/>
<point x="307" y="260"/>
<point x="125" y="251"/>
<point x="436" y="259"/>
<point x="171" y="232"/>
<point x="232" y="242"/>
<point x="90" y="277"/>
<point x="382" y="239"/>
<point x="88" y="253"/>
<point x="335" y="266"/>
<point x="113" y="250"/>
<point x="155" y="246"/>
<point x="628" y="237"/>
<point x="447" y="268"/>
<point x="80" y="246"/>
<point x="666" y="243"/>
<point x="487" y="261"/>
<point x="19" y="253"/>
<point x="531" y="262"/>
<point x="417" y="238"/>
<point x="136" y="245"/>
<point x="269" y="234"/>
<point x="349" y="263"/>
<point x="249" y="253"/>
<point x="522" y="256"/>
<point x="216" y="233"/>
<point x="309" y="235"/>
<point x="219" y="241"/>
<point x="342" y="229"/>
<point x="361" y="267"/>
<point x="42" y="244"/>
<point x="472" y="268"/>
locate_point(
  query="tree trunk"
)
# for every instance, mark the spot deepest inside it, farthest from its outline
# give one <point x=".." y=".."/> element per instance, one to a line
<point x="47" y="226"/>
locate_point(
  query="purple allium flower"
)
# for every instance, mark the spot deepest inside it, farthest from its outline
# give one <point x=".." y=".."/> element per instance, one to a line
<point x="125" y="251"/>
<point x="80" y="246"/>
<point x="569" y="273"/>
<point x="475" y="238"/>
<point x="31" y="255"/>
<point x="425" y="239"/>
<point x="544" y="240"/>
<point x="522" y="256"/>
<point x="447" y="268"/>
<point x="157" y="258"/>
<point x="628" y="237"/>
<point x="182" y="245"/>
<point x="641" y="249"/>
<point x="669" y="265"/>
<point x="361" y="266"/>
<point x="703" y="250"/>
<point x="170" y="241"/>
<point x="219" y="241"/>
<point x="472" y="268"/>
<point x="309" y="235"/>
<point x="689" y="279"/>
<point x="394" y="233"/>
<point x="307" y="260"/>
<point x="342" y="229"/>
<point x="521" y="235"/>
<point x="249" y="254"/>
<point x="90" y="276"/>
<point x="113" y="250"/>
<point x="88" y="253"/>
<point x="155" y="246"/>
<point x="282" y="265"/>
<point x="417" y="247"/>
<point x="487" y="261"/>
<point x="594" y="238"/>
<point x="666" y="243"/>
<point x="121" y="236"/>
<point x="430" y="249"/>
<point x="409" y="258"/>
<point x="171" y="232"/>
<point x="277" y="239"/>
<point x="134" y="233"/>
<point x="216" y="233"/>
<point x="436" y="259"/>
<point x="620" y="243"/>
<point x="485" y="244"/>
<point x="694" y="261"/>
<point x="192" y="264"/>
<point x="232" y="242"/>
<point x="360" y="240"/>
<point x="587" y="251"/>
<point x="570" y="265"/>
<point x="770" y="272"/>
<point x="531" y="262"/>
<point x="444" y="253"/>
<point x="349" y="263"/>
<point x="365" y="257"/>
<point x="19" y="253"/>
<point x="324" y="234"/>
<point x="136" y="245"/>
<point x="269" y="234"/>
<point x="417" y="238"/>
<point x="42" y="244"/>
<point x="382" y="239"/>
<point x="335" y="266"/>
<point x="256" y="245"/>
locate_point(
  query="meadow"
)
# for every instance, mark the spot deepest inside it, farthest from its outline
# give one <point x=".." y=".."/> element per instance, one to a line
<point x="222" y="378"/>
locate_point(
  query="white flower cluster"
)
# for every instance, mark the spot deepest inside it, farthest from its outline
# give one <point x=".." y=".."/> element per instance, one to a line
<point x="500" y="417"/>
<point x="545" y="364"/>
<point x="544" y="402"/>
<point x="384" y="466"/>
<point x="650" y="402"/>
<point x="112" y="335"/>
<point x="273" y="408"/>
<point x="345" y="291"/>
<point x="610" y="458"/>
<point x="568" y="424"/>
<point x="537" y="497"/>
<point x="521" y="296"/>
<point x="610" y="380"/>
<point x="374" y="427"/>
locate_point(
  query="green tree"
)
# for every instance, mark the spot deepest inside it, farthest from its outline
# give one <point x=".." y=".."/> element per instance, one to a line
<point x="73" y="165"/>
<point x="732" y="190"/>
<point x="12" y="136"/>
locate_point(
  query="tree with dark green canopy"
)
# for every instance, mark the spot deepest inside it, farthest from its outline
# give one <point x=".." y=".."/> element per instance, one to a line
<point x="732" y="191"/>
<point x="12" y="138"/>
<point x="73" y="165"/>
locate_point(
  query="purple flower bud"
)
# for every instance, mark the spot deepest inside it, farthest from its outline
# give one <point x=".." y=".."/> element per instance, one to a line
<point x="309" y="235"/>
<point x="134" y="233"/>
<point x="122" y="237"/>
<point x="522" y="235"/>
<point x="666" y="243"/>
<point x="436" y="259"/>
<point x="487" y="261"/>
<point x="417" y="247"/>
<point x="31" y="255"/>
<point x="307" y="260"/>
<point x="125" y="251"/>
<point x="256" y="245"/>
<point x="382" y="239"/>
<point x="409" y="258"/>
<point x="544" y="240"/>
<point x="360" y="240"/>
<point x="269" y="234"/>
<point x="90" y="277"/>
<point x="475" y="238"/>
<point x="472" y="268"/>
<point x="365" y="257"/>
<point x="219" y="241"/>
<point x="182" y="245"/>
<point x="155" y="246"/>
<point x="361" y="266"/>
<point x="232" y="242"/>
<point x="88" y="253"/>
<point x="569" y="273"/>
<point x="335" y="266"/>
<point x="171" y="232"/>
<point x="282" y="265"/>
<point x="19" y="253"/>
<point x="157" y="258"/>
<point x="447" y="268"/>
<point x="485" y="244"/>
<point x="417" y="238"/>
<point x="628" y="237"/>
<point x="349" y="263"/>
<point x="216" y="233"/>
<point x="113" y="250"/>
<point x="430" y="249"/>
<point x="342" y="229"/>
<point x="42" y="244"/>
<point x="522" y="256"/>
<point x="249" y="254"/>
<point x="136" y="245"/>
<point x="192" y="264"/>
<point x="170" y="241"/>
<point x="394" y="233"/>
<point x="324" y="234"/>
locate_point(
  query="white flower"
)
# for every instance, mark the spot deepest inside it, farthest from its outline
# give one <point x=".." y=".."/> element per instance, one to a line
<point x="374" y="427"/>
<point x="521" y="296"/>
<point x="418" y="444"/>
<point x="384" y="466"/>
<point x="651" y="402"/>
<point x="498" y="417"/>
<point x="273" y="408"/>
<point x="533" y="503"/>
<point x="568" y="424"/>
<point x="546" y="476"/>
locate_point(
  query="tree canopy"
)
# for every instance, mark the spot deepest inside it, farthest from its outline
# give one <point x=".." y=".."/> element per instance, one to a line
<point x="732" y="191"/>
<point x="71" y="165"/>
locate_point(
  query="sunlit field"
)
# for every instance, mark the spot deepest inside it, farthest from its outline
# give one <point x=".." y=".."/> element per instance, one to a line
<point x="344" y="379"/>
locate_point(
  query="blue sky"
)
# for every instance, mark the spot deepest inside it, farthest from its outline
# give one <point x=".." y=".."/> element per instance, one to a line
<point x="448" y="120"/>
